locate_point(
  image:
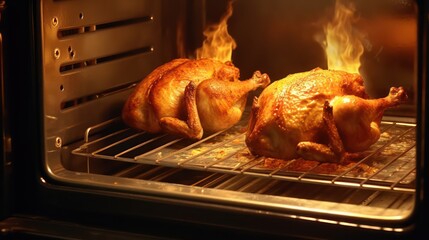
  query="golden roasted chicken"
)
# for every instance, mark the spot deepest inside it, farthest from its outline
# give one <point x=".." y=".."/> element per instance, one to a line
<point x="322" y="115"/>
<point x="187" y="97"/>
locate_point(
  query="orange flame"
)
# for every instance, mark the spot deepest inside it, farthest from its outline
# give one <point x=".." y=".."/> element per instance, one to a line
<point x="218" y="44"/>
<point x="342" y="45"/>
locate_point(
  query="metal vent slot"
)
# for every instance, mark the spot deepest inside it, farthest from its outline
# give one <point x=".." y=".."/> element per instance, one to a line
<point x="62" y="33"/>
<point x="78" y="101"/>
<point x="83" y="13"/>
<point x="88" y="62"/>
<point x="389" y="165"/>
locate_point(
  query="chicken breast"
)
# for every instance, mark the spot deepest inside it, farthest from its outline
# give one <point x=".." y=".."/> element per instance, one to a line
<point x="187" y="97"/>
<point x="317" y="115"/>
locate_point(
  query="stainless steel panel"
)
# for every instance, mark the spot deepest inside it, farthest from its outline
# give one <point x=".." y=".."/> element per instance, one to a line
<point x="107" y="42"/>
<point x="83" y="49"/>
<point x="71" y="14"/>
<point x="100" y="77"/>
<point x="70" y="124"/>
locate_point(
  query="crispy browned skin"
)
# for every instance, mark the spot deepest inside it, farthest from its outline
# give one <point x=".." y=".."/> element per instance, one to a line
<point x="137" y="112"/>
<point x="187" y="97"/>
<point x="319" y="115"/>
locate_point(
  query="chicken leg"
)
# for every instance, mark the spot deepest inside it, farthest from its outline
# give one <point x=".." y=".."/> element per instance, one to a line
<point x="358" y="119"/>
<point x="353" y="121"/>
<point x="333" y="151"/>
<point x="225" y="101"/>
<point x="213" y="99"/>
<point x="191" y="127"/>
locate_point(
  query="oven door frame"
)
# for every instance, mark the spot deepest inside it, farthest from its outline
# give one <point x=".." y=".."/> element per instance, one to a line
<point x="57" y="209"/>
<point x="5" y="137"/>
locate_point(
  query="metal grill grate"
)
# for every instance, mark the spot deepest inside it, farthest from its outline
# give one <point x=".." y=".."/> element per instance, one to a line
<point x="389" y="165"/>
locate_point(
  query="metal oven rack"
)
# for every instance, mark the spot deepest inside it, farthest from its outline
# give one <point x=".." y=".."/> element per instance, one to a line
<point x="389" y="165"/>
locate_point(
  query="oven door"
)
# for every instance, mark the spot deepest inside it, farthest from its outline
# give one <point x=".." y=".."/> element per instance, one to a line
<point x="5" y="138"/>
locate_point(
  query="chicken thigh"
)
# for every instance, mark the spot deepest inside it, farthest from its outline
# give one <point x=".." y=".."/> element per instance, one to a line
<point x="322" y="115"/>
<point x="187" y="97"/>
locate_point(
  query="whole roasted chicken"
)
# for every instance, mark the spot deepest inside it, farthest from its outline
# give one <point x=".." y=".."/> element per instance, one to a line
<point x="187" y="97"/>
<point x="322" y="115"/>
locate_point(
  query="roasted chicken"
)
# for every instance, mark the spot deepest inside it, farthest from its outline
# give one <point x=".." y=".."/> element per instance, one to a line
<point x="322" y="115"/>
<point x="187" y="97"/>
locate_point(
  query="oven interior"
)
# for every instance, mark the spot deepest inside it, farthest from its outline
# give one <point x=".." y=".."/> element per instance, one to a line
<point x="93" y="59"/>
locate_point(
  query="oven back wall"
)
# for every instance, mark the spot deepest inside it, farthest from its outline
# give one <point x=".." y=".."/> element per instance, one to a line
<point x="283" y="37"/>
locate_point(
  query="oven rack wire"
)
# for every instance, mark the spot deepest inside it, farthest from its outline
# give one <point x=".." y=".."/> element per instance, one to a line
<point x="389" y="165"/>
